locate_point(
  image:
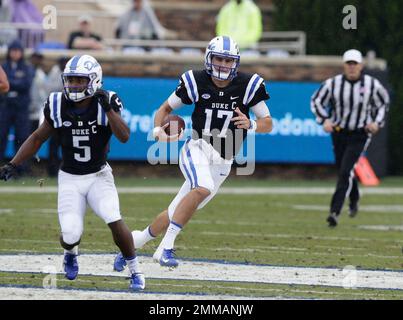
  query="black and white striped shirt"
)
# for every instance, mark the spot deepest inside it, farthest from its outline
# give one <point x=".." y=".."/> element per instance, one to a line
<point x="351" y="105"/>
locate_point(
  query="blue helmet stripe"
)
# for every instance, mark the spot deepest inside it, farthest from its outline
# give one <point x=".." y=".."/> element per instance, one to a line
<point x="74" y="62"/>
<point x="227" y="43"/>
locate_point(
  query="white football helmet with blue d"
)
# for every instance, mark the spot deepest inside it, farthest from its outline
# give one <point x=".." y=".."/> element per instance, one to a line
<point x="225" y="47"/>
<point x="82" y="66"/>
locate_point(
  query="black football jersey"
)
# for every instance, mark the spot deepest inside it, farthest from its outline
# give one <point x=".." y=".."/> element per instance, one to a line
<point x="84" y="137"/>
<point x="214" y="107"/>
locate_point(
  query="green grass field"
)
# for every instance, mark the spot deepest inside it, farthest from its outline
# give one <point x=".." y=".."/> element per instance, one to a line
<point x="270" y="229"/>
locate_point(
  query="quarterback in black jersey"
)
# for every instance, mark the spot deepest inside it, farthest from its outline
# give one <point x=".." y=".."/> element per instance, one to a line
<point x="84" y="117"/>
<point x="222" y="98"/>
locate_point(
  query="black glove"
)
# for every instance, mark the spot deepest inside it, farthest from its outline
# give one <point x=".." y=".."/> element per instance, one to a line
<point x="103" y="99"/>
<point x="7" y="171"/>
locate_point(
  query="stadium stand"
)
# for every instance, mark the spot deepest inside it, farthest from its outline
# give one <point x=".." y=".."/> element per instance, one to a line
<point x="184" y="24"/>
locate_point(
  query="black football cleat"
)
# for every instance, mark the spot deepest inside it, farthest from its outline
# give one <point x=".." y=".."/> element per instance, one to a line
<point x="332" y="220"/>
<point x="353" y="209"/>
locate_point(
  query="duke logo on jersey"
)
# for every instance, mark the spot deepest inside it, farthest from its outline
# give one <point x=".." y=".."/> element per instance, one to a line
<point x="214" y="109"/>
<point x="83" y="134"/>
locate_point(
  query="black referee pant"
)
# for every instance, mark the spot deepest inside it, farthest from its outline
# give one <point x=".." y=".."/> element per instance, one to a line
<point x="347" y="148"/>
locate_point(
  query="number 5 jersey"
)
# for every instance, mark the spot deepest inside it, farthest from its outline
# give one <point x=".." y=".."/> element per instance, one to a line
<point x="84" y="133"/>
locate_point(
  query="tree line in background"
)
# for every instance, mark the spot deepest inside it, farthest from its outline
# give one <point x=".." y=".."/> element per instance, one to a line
<point x="379" y="28"/>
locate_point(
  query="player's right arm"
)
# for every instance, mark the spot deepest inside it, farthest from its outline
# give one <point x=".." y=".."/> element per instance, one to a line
<point x="32" y="145"/>
<point x="173" y="102"/>
<point x="164" y="110"/>
<point x="4" y="85"/>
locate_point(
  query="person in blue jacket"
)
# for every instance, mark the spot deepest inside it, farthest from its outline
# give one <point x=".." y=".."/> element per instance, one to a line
<point x="15" y="103"/>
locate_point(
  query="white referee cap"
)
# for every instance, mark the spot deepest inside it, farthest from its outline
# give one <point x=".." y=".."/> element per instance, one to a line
<point x="352" y="55"/>
<point x="84" y="18"/>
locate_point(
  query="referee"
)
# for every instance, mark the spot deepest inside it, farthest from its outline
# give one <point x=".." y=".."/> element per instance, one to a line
<point x="352" y="107"/>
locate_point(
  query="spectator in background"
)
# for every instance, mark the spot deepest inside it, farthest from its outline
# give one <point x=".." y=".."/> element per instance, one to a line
<point x="84" y="39"/>
<point x="4" y="85"/>
<point x="14" y="105"/>
<point x="24" y="11"/>
<point x="6" y="34"/>
<point x="242" y="21"/>
<point x="55" y="74"/>
<point x="38" y="90"/>
<point x="140" y="22"/>
<point x="352" y="107"/>
<point x="55" y="85"/>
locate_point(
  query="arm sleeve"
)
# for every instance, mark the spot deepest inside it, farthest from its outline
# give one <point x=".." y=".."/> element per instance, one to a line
<point x="174" y="101"/>
<point x="261" y="110"/>
<point x="320" y="100"/>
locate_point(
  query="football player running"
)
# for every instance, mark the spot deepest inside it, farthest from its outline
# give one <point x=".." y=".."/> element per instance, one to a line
<point x="222" y="97"/>
<point x="84" y="117"/>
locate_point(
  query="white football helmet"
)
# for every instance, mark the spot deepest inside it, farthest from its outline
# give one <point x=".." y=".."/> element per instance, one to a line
<point x="222" y="46"/>
<point x="82" y="66"/>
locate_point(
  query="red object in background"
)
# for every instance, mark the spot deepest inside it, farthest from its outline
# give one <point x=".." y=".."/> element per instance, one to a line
<point x="365" y="173"/>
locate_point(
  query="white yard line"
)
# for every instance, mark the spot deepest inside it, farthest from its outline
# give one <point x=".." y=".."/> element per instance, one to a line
<point x="251" y="249"/>
<point x="368" y="208"/>
<point x="382" y="228"/>
<point x="13" y="293"/>
<point x="224" y="190"/>
<point x="101" y="265"/>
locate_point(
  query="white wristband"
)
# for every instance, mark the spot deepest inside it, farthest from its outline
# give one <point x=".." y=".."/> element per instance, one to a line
<point x="253" y="125"/>
<point x="156" y="131"/>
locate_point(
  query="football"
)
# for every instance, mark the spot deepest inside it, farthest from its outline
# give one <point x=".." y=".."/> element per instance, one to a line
<point x="176" y="124"/>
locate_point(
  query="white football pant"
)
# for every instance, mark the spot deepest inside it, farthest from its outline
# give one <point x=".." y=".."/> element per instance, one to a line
<point x="75" y="191"/>
<point x="202" y="166"/>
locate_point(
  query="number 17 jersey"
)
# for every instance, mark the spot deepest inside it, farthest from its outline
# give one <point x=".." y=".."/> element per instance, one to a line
<point x="215" y="107"/>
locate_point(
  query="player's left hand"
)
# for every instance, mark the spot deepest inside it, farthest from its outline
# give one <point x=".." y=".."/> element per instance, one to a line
<point x="103" y="99"/>
<point x="372" y="127"/>
<point x="241" y="121"/>
<point x="7" y="171"/>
